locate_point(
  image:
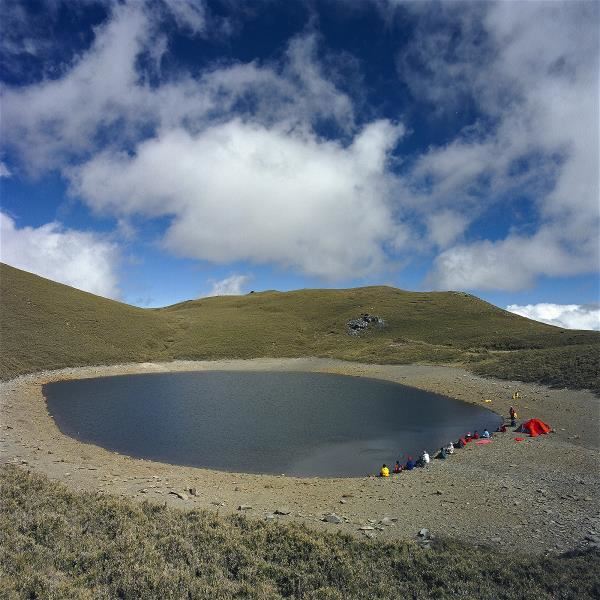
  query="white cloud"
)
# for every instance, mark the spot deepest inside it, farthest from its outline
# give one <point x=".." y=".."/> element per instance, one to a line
<point x="79" y="259"/>
<point x="230" y="286"/>
<point x="510" y="264"/>
<point x="230" y="154"/>
<point x="55" y="119"/>
<point x="189" y="14"/>
<point x="104" y="100"/>
<point x="260" y="186"/>
<point x="28" y="31"/>
<point x="241" y="191"/>
<point x="445" y="54"/>
<point x="532" y="71"/>
<point x="569" y="316"/>
<point x="445" y="227"/>
<point x="4" y="170"/>
<point x="319" y="94"/>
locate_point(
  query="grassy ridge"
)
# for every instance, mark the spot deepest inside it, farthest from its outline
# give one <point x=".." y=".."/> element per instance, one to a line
<point x="57" y="544"/>
<point x="46" y="325"/>
<point x="567" y="366"/>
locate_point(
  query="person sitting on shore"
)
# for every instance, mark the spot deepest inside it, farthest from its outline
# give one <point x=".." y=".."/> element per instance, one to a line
<point x="461" y="443"/>
<point x="410" y="464"/>
<point x="424" y="459"/>
<point x="476" y="435"/>
<point x="468" y="437"/>
<point x="397" y="467"/>
<point x="450" y="448"/>
<point x="443" y="453"/>
<point x="486" y="434"/>
<point x="501" y="428"/>
<point x="385" y="472"/>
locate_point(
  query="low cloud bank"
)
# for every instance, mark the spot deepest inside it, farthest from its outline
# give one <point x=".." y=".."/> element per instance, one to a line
<point x="569" y="316"/>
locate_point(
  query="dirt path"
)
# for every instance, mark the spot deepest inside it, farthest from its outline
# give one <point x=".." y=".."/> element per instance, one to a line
<point x="538" y="495"/>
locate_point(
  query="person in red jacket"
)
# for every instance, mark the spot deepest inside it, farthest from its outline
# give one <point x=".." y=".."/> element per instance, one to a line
<point x="476" y="435"/>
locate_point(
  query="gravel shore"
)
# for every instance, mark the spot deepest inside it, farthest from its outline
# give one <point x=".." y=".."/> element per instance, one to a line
<point x="540" y="495"/>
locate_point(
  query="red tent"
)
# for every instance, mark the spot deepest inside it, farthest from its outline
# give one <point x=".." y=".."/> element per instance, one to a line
<point x="534" y="427"/>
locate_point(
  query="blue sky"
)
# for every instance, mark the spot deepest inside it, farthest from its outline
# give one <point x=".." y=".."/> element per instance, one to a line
<point x="163" y="150"/>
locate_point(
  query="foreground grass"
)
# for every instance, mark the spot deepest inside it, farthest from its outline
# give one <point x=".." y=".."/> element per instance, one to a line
<point x="58" y="544"/>
<point x="46" y="325"/>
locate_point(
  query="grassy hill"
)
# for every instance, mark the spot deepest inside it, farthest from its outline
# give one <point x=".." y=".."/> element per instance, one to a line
<point x="47" y="325"/>
<point x="58" y="544"/>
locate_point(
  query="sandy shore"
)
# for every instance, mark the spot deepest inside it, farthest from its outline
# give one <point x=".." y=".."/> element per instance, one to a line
<point x="539" y="495"/>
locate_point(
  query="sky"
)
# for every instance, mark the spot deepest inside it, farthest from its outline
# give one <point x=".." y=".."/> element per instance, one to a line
<point x="162" y="150"/>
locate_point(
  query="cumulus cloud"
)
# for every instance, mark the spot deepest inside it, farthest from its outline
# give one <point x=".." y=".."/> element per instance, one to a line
<point x="4" y="170"/>
<point x="533" y="75"/>
<point x="104" y="98"/>
<point x="230" y="155"/>
<point x="446" y="226"/>
<point x="77" y="258"/>
<point x="510" y="264"/>
<point x="241" y="191"/>
<point x="569" y="316"/>
<point x="51" y="121"/>
<point x="230" y="286"/>
<point x="259" y="185"/>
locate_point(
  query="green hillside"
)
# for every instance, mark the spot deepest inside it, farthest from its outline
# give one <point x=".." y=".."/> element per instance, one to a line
<point x="58" y="544"/>
<point x="46" y="325"/>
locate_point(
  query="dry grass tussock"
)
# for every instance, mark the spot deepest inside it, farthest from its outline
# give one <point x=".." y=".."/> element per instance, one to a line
<point x="46" y="325"/>
<point x="58" y="544"/>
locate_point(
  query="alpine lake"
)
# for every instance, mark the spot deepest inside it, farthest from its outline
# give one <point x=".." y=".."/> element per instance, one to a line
<point x="293" y="423"/>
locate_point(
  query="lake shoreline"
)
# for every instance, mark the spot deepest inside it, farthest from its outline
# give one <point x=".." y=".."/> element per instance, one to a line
<point x="299" y="423"/>
<point x="538" y="495"/>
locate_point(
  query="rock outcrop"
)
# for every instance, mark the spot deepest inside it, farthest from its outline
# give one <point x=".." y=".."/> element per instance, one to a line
<point x="363" y="323"/>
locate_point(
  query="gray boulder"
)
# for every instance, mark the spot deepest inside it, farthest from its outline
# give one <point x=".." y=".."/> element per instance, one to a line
<point x="333" y="518"/>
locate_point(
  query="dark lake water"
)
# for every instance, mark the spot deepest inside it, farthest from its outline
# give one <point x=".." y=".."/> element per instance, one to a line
<point x="303" y="424"/>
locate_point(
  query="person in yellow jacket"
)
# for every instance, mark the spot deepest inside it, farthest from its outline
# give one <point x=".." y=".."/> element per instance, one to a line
<point x="385" y="472"/>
